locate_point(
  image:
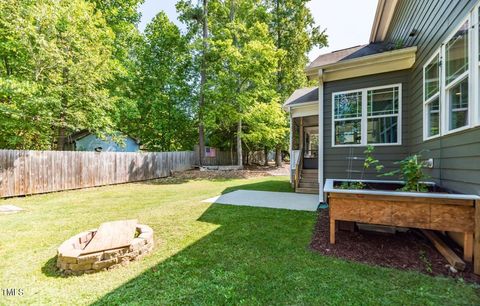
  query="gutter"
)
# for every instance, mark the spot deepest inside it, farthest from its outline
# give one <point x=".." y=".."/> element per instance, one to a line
<point x="289" y="107"/>
<point x="399" y="55"/>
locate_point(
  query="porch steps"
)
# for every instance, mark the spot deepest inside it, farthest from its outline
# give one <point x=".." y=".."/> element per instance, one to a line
<point x="307" y="190"/>
<point x="308" y="182"/>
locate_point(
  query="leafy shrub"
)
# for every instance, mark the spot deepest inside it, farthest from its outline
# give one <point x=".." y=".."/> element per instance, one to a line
<point x="411" y="171"/>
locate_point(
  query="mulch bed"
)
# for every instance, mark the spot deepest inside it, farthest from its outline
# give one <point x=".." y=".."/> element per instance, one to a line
<point x="249" y="171"/>
<point x="404" y="250"/>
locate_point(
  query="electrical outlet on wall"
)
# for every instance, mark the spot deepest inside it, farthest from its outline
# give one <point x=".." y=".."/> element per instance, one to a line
<point x="429" y="163"/>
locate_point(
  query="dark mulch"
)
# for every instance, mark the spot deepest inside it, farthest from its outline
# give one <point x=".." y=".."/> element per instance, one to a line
<point x="405" y="251"/>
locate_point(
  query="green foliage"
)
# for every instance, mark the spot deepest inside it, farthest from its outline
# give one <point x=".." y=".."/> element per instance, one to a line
<point x="63" y="50"/>
<point x="266" y="126"/>
<point x="411" y="171"/>
<point x="427" y="263"/>
<point x="351" y="185"/>
<point x="370" y="160"/>
<point x="163" y="112"/>
<point x="293" y="28"/>
<point x="67" y="66"/>
<point x="256" y="55"/>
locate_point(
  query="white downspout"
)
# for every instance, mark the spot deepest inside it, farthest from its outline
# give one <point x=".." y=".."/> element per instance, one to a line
<point x="320" y="135"/>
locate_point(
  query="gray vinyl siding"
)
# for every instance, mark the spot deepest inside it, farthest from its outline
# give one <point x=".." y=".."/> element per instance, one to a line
<point x="456" y="156"/>
<point x="336" y="162"/>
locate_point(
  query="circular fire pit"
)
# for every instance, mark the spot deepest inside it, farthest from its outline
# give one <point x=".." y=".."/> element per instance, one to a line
<point x="77" y="255"/>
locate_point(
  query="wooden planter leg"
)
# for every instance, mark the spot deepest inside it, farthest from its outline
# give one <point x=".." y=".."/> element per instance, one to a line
<point x="468" y="247"/>
<point x="476" y="240"/>
<point x="332" y="231"/>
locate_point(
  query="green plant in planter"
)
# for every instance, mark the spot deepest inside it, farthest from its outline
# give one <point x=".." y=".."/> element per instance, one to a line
<point x="411" y="171"/>
<point x="351" y="185"/>
<point x="369" y="162"/>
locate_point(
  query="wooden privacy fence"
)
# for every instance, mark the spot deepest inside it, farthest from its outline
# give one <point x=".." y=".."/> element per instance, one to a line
<point x="31" y="172"/>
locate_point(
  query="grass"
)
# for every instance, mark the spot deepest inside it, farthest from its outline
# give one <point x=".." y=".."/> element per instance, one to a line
<point x="204" y="253"/>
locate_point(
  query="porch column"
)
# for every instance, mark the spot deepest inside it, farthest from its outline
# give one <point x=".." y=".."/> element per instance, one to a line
<point x="291" y="146"/>
<point x="320" y="136"/>
<point x="301" y="134"/>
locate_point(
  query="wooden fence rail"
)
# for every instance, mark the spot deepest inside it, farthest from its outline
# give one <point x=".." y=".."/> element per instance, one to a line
<point x="31" y="172"/>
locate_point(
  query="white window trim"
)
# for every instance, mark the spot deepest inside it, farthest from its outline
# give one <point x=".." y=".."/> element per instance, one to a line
<point x="473" y="75"/>
<point x="426" y="102"/>
<point x="364" y="117"/>
<point x="475" y="67"/>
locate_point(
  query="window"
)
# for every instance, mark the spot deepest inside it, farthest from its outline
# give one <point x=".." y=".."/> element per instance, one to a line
<point x="447" y="103"/>
<point x="367" y="116"/>
<point x="456" y="54"/>
<point x="456" y="76"/>
<point x="382" y="115"/>
<point x="458" y="105"/>
<point x="431" y="96"/>
<point x="348" y="116"/>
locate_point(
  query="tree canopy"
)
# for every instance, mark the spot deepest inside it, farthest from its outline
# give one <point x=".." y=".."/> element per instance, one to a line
<point x="67" y="66"/>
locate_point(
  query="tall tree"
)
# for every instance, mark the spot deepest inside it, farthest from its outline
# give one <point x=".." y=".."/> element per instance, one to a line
<point x="164" y="121"/>
<point x="195" y="15"/>
<point x="266" y="126"/>
<point x="203" y="81"/>
<point x="122" y="16"/>
<point x="293" y="28"/>
<point x="243" y="63"/>
<point x="66" y="49"/>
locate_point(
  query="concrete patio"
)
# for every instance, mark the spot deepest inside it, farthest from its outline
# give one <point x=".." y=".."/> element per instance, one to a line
<point x="268" y="199"/>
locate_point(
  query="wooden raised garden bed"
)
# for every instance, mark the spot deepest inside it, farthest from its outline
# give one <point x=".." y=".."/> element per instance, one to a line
<point x="379" y="203"/>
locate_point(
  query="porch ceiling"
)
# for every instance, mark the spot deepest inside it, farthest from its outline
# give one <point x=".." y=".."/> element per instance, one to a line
<point x="307" y="121"/>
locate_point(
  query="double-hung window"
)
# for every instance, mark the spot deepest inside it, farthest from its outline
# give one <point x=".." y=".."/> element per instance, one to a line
<point x="450" y="82"/>
<point x="367" y="116"/>
<point x="431" y="96"/>
<point x="456" y="78"/>
<point x="348" y="118"/>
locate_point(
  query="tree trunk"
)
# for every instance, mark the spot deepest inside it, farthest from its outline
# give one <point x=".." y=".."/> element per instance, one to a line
<point x="239" y="124"/>
<point x="203" y="80"/>
<point x="239" y="143"/>
<point x="278" y="157"/>
<point x="61" y="138"/>
<point x="61" y="128"/>
<point x="63" y="114"/>
<point x="265" y="151"/>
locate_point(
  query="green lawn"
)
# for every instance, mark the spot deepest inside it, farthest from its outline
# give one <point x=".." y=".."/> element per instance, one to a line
<point x="204" y="254"/>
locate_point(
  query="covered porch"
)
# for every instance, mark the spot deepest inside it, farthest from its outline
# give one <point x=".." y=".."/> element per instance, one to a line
<point x="304" y="140"/>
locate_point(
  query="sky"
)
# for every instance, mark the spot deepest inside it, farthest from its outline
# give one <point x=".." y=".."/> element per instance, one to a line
<point x="347" y="22"/>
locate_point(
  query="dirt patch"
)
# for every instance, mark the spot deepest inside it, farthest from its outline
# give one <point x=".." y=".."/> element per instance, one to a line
<point x="405" y="251"/>
<point x="247" y="172"/>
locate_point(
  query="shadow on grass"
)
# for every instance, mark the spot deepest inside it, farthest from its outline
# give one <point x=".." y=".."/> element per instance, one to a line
<point x="50" y="268"/>
<point x="271" y="185"/>
<point x="248" y="257"/>
<point x="261" y="256"/>
<point x="182" y="180"/>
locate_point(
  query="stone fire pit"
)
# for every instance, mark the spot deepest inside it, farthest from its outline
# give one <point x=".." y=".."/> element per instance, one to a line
<point x="112" y="245"/>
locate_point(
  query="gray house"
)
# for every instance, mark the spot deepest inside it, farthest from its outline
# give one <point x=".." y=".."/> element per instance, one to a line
<point x="414" y="87"/>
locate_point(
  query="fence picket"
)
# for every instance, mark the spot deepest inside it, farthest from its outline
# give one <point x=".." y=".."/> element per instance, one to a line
<point x="32" y="172"/>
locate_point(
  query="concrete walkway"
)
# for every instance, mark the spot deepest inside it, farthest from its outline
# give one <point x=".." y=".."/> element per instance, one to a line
<point x="281" y="200"/>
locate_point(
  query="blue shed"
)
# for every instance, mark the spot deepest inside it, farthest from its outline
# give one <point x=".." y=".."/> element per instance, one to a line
<point x="86" y="141"/>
